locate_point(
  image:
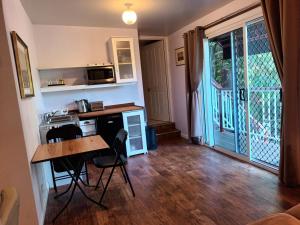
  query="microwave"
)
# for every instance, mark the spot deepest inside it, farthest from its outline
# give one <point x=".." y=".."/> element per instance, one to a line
<point x="101" y="75"/>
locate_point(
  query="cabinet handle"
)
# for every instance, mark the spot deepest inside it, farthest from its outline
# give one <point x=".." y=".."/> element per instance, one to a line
<point x="110" y="122"/>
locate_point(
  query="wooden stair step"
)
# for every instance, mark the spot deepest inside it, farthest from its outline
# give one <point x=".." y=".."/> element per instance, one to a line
<point x="165" y="127"/>
<point x="168" y="135"/>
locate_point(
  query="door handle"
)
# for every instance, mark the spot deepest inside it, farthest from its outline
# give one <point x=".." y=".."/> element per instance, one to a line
<point x="242" y="94"/>
<point x="280" y="95"/>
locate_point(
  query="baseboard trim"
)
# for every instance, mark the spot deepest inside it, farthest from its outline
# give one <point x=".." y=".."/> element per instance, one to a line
<point x="42" y="220"/>
<point x="185" y="136"/>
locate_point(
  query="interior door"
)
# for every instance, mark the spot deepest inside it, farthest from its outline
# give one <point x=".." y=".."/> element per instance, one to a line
<point x="155" y="81"/>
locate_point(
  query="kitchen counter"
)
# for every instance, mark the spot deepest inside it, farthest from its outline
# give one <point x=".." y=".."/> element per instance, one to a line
<point x="110" y="110"/>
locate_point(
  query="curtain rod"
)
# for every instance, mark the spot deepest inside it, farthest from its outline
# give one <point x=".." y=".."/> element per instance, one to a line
<point x="232" y="15"/>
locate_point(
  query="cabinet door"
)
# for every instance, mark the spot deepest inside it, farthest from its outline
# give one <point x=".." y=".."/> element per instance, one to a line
<point x="134" y="124"/>
<point x="124" y="60"/>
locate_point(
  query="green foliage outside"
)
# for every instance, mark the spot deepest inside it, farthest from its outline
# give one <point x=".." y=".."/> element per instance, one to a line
<point x="261" y="68"/>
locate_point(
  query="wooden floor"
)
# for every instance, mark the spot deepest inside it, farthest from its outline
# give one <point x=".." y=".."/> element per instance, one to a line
<point x="181" y="184"/>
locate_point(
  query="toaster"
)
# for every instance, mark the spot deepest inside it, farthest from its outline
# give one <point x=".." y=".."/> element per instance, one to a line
<point x="96" y="106"/>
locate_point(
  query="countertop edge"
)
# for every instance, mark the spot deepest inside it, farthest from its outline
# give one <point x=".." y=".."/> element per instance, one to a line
<point x="110" y="111"/>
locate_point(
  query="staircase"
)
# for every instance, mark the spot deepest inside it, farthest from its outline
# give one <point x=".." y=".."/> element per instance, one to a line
<point x="165" y="130"/>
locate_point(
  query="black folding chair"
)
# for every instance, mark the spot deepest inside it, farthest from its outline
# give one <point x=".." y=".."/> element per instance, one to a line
<point x="113" y="161"/>
<point x="66" y="132"/>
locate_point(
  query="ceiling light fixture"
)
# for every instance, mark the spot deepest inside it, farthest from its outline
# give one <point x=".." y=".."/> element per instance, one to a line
<point x="129" y="16"/>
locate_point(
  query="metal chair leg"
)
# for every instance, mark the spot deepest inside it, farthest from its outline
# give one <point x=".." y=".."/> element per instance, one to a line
<point x="87" y="174"/>
<point x="105" y="188"/>
<point x="133" y="193"/>
<point x="100" y="179"/>
<point x="68" y="202"/>
<point x="123" y="174"/>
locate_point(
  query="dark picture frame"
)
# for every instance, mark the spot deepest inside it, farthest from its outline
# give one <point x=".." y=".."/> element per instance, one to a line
<point x="23" y="68"/>
<point x="180" y="56"/>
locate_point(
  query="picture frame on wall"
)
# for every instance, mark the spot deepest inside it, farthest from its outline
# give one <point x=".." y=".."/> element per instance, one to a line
<point x="180" y="56"/>
<point x="23" y="68"/>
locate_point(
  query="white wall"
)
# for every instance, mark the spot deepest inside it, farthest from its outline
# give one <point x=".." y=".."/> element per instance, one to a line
<point x="17" y="20"/>
<point x="178" y="72"/>
<point x="67" y="46"/>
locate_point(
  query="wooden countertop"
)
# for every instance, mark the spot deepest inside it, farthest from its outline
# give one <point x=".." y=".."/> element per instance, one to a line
<point x="111" y="110"/>
<point x="46" y="152"/>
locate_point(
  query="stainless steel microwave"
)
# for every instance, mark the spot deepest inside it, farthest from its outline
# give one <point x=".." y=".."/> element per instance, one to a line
<point x="101" y="75"/>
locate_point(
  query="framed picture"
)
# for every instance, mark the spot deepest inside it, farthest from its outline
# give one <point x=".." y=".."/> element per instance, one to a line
<point x="22" y="65"/>
<point x="179" y="55"/>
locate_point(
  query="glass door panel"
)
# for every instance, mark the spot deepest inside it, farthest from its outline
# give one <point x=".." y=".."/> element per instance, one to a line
<point x="124" y="56"/>
<point x="264" y="97"/>
<point x="241" y="84"/>
<point x="123" y="44"/>
<point x="222" y="86"/>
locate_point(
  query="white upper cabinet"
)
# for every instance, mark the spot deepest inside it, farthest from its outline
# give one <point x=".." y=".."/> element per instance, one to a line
<point x="124" y="59"/>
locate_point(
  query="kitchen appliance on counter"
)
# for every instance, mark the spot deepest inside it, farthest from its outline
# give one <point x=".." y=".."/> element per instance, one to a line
<point x="101" y="75"/>
<point x="97" y="106"/>
<point x="88" y="127"/>
<point x="83" y="105"/>
<point x="53" y="121"/>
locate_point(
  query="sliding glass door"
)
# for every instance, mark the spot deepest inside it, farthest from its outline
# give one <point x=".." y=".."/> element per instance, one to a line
<point x="245" y="94"/>
<point x="264" y="97"/>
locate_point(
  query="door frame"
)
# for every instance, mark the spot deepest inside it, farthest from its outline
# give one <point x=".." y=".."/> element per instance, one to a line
<point x="167" y="60"/>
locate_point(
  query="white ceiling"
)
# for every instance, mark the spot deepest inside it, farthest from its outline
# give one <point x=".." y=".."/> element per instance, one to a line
<point x="155" y="17"/>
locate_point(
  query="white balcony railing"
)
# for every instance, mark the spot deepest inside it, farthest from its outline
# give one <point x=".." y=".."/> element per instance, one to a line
<point x="264" y="112"/>
<point x="223" y="113"/>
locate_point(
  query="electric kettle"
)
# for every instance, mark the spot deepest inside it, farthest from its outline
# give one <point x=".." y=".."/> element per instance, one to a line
<point x="83" y="105"/>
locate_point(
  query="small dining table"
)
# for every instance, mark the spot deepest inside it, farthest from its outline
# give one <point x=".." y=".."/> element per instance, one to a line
<point x="61" y="151"/>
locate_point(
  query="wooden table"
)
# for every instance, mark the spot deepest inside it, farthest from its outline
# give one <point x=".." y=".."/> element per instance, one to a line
<point x="84" y="145"/>
<point x="61" y="151"/>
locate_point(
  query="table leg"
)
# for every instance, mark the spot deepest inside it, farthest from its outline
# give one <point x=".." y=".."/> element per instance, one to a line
<point x="71" y="196"/>
<point x="80" y="188"/>
<point x="75" y="177"/>
<point x="61" y="194"/>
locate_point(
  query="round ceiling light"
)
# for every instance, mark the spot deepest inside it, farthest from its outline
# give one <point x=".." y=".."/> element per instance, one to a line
<point x="129" y="16"/>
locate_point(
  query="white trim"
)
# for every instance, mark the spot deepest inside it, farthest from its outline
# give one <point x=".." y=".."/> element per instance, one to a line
<point x="83" y="87"/>
<point x="42" y="220"/>
<point x="185" y="136"/>
<point x="152" y="38"/>
<point x="234" y="23"/>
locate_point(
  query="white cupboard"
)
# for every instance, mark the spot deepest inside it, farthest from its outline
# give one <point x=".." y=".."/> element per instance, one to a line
<point x="122" y="55"/>
<point x="134" y="124"/>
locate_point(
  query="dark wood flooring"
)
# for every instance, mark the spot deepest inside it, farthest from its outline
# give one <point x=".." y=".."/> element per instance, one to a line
<point x="181" y="184"/>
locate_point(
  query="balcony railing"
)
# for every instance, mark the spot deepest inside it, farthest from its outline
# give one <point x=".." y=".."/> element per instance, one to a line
<point x="264" y="112"/>
<point x="223" y="108"/>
